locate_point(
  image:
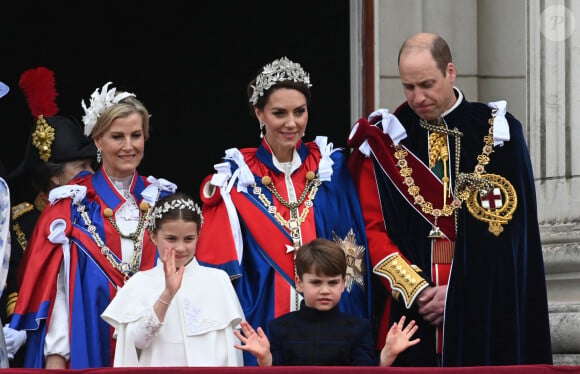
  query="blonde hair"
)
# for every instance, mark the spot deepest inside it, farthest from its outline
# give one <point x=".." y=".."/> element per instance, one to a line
<point x="123" y="108"/>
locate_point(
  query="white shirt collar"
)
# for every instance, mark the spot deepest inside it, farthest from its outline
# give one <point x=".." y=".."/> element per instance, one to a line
<point x="459" y="95"/>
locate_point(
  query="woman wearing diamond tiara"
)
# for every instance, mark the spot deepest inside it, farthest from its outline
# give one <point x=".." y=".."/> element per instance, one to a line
<point x="89" y="241"/>
<point x="183" y="318"/>
<point x="273" y="198"/>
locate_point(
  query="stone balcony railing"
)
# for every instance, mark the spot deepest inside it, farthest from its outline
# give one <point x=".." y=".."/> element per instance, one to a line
<point x="561" y="247"/>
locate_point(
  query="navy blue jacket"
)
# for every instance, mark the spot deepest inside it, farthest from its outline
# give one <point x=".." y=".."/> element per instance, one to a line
<point x="309" y="337"/>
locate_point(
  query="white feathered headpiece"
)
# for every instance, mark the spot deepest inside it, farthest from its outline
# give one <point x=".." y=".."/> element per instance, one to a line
<point x="99" y="102"/>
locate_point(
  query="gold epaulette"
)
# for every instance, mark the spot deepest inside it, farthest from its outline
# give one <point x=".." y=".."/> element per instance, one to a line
<point x="20" y="209"/>
<point x="20" y="236"/>
<point x="11" y="303"/>
<point x="406" y="280"/>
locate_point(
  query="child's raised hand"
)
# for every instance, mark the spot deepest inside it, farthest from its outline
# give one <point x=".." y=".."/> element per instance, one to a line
<point x="255" y="342"/>
<point x="398" y="339"/>
<point x="173" y="277"/>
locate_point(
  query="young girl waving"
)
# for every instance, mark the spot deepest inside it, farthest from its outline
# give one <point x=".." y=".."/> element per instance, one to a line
<point x="179" y="313"/>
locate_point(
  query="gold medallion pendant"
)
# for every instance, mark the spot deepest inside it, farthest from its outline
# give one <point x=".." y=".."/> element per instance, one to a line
<point x="496" y="205"/>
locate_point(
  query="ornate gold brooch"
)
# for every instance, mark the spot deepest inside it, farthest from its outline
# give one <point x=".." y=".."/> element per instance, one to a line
<point x="42" y="138"/>
<point x="496" y="205"/>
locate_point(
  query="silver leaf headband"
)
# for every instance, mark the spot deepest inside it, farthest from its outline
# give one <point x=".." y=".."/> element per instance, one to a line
<point x="99" y="102"/>
<point x="279" y="70"/>
<point x="159" y="210"/>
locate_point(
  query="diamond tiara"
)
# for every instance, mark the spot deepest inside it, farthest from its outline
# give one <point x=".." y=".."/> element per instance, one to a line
<point x="279" y="70"/>
<point x="159" y="210"/>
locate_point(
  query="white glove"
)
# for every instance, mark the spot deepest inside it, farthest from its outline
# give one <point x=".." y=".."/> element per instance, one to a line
<point x="14" y="340"/>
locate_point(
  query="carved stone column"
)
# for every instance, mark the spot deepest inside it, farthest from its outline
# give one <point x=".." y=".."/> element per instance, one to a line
<point x="554" y="135"/>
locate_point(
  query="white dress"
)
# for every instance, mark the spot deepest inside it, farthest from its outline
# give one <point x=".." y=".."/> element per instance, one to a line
<point x="198" y="327"/>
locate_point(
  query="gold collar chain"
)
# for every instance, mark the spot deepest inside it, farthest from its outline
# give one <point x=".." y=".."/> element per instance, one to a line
<point x="134" y="236"/>
<point x="465" y="182"/>
<point x="296" y="218"/>
<point x="125" y="268"/>
<point x="406" y="172"/>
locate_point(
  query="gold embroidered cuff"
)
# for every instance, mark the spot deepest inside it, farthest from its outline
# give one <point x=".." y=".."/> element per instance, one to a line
<point x="406" y="280"/>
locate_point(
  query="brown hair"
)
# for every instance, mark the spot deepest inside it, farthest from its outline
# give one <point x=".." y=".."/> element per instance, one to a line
<point x="321" y="256"/>
<point x="176" y="211"/>
<point x="437" y="46"/>
<point x="262" y="100"/>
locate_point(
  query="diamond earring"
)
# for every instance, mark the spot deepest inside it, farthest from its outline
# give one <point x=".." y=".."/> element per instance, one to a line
<point x="262" y="125"/>
<point x="99" y="156"/>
